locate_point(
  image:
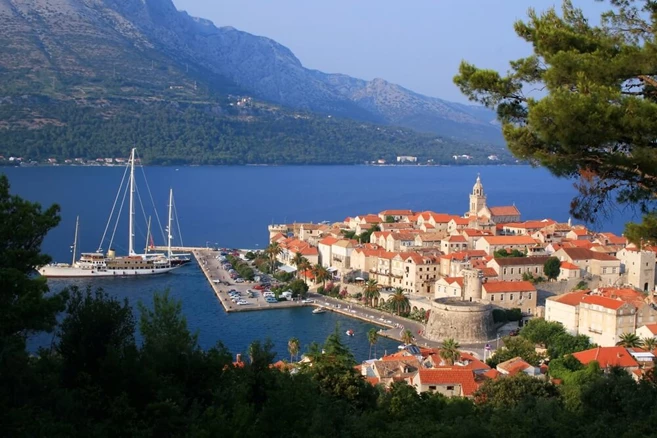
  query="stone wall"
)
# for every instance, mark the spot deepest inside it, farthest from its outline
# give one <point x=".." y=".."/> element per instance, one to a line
<point x="464" y="321"/>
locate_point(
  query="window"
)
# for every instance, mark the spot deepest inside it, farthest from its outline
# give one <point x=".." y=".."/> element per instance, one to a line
<point x="529" y="295"/>
<point x="450" y="388"/>
<point x="511" y="296"/>
<point x="432" y="387"/>
<point x="501" y="297"/>
<point x="492" y="297"/>
<point x="512" y="270"/>
<point x="505" y="270"/>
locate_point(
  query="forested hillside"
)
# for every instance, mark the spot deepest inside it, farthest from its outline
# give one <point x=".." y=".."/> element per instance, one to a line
<point x="180" y="132"/>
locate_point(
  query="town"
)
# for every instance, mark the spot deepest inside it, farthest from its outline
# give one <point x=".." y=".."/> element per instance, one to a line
<point x="465" y="273"/>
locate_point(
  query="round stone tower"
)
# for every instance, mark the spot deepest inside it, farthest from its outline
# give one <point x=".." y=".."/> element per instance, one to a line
<point x="465" y="321"/>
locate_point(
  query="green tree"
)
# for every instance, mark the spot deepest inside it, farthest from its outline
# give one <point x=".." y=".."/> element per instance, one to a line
<point x="597" y="118"/>
<point x="513" y="390"/>
<point x="407" y="337"/>
<point x="399" y="301"/>
<point x="450" y="352"/>
<point x="629" y="340"/>
<point x="372" y="338"/>
<point x="293" y="348"/>
<point x="298" y="260"/>
<point x="515" y="346"/>
<point x="390" y="220"/>
<point x="272" y="251"/>
<point x="649" y="343"/>
<point x="552" y="268"/>
<point x="321" y="274"/>
<point x="540" y="331"/>
<point x="371" y="291"/>
<point x="27" y="305"/>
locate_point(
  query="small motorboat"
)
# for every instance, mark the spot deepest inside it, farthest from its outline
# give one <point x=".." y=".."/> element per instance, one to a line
<point x="350" y="332"/>
<point x="319" y="310"/>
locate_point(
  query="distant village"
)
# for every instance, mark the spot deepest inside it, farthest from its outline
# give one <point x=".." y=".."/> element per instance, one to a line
<point x="20" y="161"/>
<point x="605" y="287"/>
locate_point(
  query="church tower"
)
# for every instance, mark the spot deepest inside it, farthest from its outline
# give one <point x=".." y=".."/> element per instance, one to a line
<point x="477" y="198"/>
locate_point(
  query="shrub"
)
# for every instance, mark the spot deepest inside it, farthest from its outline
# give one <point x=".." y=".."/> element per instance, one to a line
<point x="499" y="315"/>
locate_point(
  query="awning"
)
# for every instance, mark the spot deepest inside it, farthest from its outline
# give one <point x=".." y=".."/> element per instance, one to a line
<point x="287" y="268"/>
<point x="359" y="279"/>
<point x="332" y="269"/>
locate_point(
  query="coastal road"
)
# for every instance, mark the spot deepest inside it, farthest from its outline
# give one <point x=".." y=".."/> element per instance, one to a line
<point x="400" y="324"/>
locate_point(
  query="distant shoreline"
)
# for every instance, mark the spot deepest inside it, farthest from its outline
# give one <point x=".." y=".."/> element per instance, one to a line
<point x="31" y="165"/>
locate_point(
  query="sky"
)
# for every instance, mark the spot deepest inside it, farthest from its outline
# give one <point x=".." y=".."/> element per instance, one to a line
<point x="415" y="43"/>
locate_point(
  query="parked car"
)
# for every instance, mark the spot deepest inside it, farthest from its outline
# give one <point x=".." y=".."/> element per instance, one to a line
<point x="271" y="300"/>
<point x="239" y="280"/>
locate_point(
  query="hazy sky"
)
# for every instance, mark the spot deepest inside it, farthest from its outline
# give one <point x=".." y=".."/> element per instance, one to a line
<point x="415" y="43"/>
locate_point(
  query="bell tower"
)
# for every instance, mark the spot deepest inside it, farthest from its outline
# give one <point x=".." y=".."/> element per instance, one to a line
<point x="477" y="198"/>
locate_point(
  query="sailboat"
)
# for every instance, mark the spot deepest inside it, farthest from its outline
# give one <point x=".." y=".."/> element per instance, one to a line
<point x="99" y="264"/>
<point x="174" y="259"/>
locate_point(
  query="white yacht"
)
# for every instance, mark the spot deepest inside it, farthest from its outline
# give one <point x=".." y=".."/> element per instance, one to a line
<point x="99" y="264"/>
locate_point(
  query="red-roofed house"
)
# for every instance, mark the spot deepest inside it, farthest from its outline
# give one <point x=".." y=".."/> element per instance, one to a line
<point x="449" y="287"/>
<point x="511" y="295"/>
<point x="565" y="309"/>
<point x="608" y="357"/>
<point x="517" y="365"/>
<point x="454" y="243"/>
<point x="569" y="271"/>
<point x="513" y="268"/>
<point x="448" y="381"/>
<point x="595" y="263"/>
<point x="324" y="250"/>
<point x="490" y="244"/>
<point x="604" y="319"/>
<point x="579" y="233"/>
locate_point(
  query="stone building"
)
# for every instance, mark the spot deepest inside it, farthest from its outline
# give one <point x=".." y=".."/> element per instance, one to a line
<point x="513" y="268"/>
<point x="639" y="267"/>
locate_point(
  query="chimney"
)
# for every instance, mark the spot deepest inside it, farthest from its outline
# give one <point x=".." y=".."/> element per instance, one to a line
<point x="238" y="358"/>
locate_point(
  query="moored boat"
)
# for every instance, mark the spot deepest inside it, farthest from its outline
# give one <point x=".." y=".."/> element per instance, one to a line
<point x="319" y="310"/>
<point x="99" y="264"/>
<point x="350" y="332"/>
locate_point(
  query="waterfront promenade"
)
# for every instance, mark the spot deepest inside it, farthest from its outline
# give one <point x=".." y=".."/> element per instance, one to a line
<point x="392" y="326"/>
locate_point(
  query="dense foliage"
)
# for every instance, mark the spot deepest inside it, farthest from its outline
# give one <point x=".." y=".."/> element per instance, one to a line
<point x="96" y="380"/>
<point x="167" y="132"/>
<point x="595" y="118"/>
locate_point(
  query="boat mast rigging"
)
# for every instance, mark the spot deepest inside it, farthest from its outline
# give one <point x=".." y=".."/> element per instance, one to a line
<point x="169" y="225"/>
<point x="75" y="239"/>
<point x="131" y="227"/>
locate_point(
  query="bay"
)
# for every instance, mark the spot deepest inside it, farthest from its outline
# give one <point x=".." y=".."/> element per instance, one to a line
<point x="231" y="206"/>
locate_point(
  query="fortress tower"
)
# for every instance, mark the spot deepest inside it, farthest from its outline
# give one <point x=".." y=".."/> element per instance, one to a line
<point x="477" y="198"/>
<point x="472" y="285"/>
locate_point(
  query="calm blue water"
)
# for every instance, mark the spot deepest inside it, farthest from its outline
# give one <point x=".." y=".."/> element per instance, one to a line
<point x="232" y="206"/>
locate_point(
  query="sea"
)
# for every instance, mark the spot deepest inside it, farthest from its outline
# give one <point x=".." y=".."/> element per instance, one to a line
<point x="231" y="206"/>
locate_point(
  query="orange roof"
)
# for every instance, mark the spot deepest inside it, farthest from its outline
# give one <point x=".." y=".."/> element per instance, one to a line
<point x="637" y="299"/>
<point x="489" y="272"/>
<point x="328" y="240"/>
<point x="572" y="298"/>
<point x="577" y="244"/>
<point x="507" y="210"/>
<point x="509" y="240"/>
<point x="513" y="366"/>
<point x="396" y="213"/>
<point x="580" y="231"/>
<point x="473" y="232"/>
<point x="491" y="374"/>
<point x="370" y="219"/>
<point x="607" y="356"/>
<point x="529" y="224"/>
<point x="373" y="380"/>
<point x="605" y="302"/>
<point x="451" y="280"/>
<point x="455" y="239"/>
<point x="614" y="239"/>
<point x="450" y="375"/>
<point x="508" y="286"/>
<point x="568" y="265"/>
<point x="586" y="254"/>
<point x="310" y="250"/>
<point x="461" y="221"/>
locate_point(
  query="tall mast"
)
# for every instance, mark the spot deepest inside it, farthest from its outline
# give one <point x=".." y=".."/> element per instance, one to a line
<point x="131" y="250"/>
<point x="75" y="239"/>
<point x="148" y="234"/>
<point x="170" y="219"/>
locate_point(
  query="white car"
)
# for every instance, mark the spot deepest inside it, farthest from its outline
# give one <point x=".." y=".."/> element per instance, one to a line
<point x="307" y="301"/>
<point x="268" y="294"/>
<point x="241" y="302"/>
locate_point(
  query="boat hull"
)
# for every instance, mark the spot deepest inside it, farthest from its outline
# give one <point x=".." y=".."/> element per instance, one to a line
<point x="54" y="271"/>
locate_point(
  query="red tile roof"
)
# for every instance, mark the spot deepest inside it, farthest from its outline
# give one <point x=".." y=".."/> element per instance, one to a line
<point x="491" y="374"/>
<point x="450" y="376"/>
<point x="607" y="356"/>
<point x="507" y="210"/>
<point x="461" y="221"/>
<point x="586" y="254"/>
<point x="396" y="213"/>
<point x="652" y="328"/>
<point x="513" y="366"/>
<point x="572" y="298"/>
<point x="489" y="272"/>
<point x="508" y="286"/>
<point x="455" y="239"/>
<point x="637" y="299"/>
<point x="605" y="302"/>
<point x="569" y="266"/>
<point x="328" y="240"/>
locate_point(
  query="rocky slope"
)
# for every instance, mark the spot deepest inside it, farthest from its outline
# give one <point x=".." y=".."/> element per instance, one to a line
<point x="77" y="48"/>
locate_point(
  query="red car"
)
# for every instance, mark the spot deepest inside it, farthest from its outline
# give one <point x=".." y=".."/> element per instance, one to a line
<point x="259" y="287"/>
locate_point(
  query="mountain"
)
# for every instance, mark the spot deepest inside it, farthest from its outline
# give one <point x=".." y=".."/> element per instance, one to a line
<point x="101" y="54"/>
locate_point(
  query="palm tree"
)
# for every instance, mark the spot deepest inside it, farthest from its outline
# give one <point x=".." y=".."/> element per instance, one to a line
<point x="293" y="347"/>
<point x="321" y="274"/>
<point x="304" y="266"/>
<point x="399" y="301"/>
<point x="273" y="250"/>
<point x="629" y="340"/>
<point x="407" y="337"/>
<point x="649" y="343"/>
<point x="450" y="351"/>
<point x="371" y="291"/>
<point x="297" y="261"/>
<point x="372" y="338"/>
